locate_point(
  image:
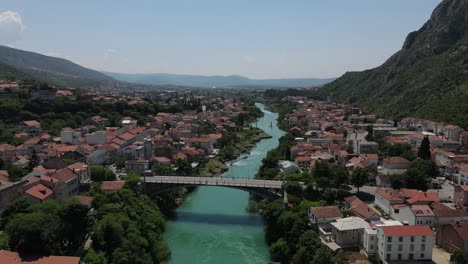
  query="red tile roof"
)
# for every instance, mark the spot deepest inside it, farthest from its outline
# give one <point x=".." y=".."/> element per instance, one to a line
<point x="407" y="230"/>
<point x="390" y="194"/>
<point x="31" y="123"/>
<point x="424" y="197"/>
<point x="85" y="200"/>
<point x="65" y="175"/>
<point x="8" y="257"/>
<point x="441" y="210"/>
<point x="326" y="211"/>
<point x="40" y="191"/>
<point x="112" y="185"/>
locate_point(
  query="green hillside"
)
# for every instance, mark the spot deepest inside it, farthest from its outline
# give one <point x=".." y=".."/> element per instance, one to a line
<point x="427" y="78"/>
<point x="50" y="69"/>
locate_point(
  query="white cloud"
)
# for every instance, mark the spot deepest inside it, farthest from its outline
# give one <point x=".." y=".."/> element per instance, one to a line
<point x="11" y="27"/>
<point x="108" y="52"/>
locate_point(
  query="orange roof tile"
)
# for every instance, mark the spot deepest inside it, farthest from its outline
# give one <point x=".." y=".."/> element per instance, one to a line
<point x="407" y="230"/>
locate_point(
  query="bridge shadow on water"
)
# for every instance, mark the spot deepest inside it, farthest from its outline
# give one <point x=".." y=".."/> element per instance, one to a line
<point x="218" y="219"/>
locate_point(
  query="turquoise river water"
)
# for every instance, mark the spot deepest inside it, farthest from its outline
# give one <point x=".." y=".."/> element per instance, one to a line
<point x="212" y="225"/>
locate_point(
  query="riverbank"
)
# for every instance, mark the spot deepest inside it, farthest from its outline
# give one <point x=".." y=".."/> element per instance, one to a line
<point x="248" y="137"/>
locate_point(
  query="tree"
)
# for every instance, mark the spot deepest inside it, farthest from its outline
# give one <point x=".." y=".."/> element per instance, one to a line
<point x="397" y="181"/>
<point x="424" y="151"/>
<point x="93" y="257"/>
<point x="97" y="173"/>
<point x="160" y="169"/>
<point x="132" y="180"/>
<point x="425" y="167"/>
<point x="33" y="162"/>
<point x="359" y="178"/>
<point x="461" y="257"/>
<point x="120" y="161"/>
<point x="280" y="251"/>
<point x="370" y="133"/>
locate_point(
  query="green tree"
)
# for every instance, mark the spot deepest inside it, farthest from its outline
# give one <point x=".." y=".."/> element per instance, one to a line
<point x="424" y="151"/>
<point x="33" y="161"/>
<point x="93" y="257"/>
<point x="132" y="180"/>
<point x="280" y="251"/>
<point x="461" y="257"/>
<point x="160" y="169"/>
<point x="359" y="178"/>
<point x="120" y="161"/>
<point x="98" y="173"/>
<point x="397" y="181"/>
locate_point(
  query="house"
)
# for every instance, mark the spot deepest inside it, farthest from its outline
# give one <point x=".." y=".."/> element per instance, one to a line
<point x="105" y="154"/>
<point x="96" y="138"/>
<point x="38" y="193"/>
<point x="417" y="197"/>
<point x="453" y="237"/>
<point x="370" y="238"/>
<point x="111" y="186"/>
<point x="303" y="161"/>
<point x="385" y="198"/>
<point x="324" y="214"/>
<point x="452" y="132"/>
<point x="460" y="196"/>
<point x="348" y="232"/>
<point x="70" y="136"/>
<point x="413" y="214"/>
<point x="138" y="166"/>
<point x="289" y="167"/>
<point x="32" y="127"/>
<point x="361" y="209"/>
<point x="9" y="192"/>
<point x="403" y="243"/>
<point x="68" y="184"/>
<point x="82" y="170"/>
<point x="321" y="217"/>
<point x="9" y="257"/>
<point x="445" y="215"/>
<point x="98" y="122"/>
<point x="393" y="165"/>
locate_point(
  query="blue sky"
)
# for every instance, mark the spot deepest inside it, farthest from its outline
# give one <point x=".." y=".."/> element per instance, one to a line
<point x="255" y="38"/>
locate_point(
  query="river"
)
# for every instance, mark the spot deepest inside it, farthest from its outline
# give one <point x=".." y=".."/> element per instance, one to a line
<point x="212" y="225"/>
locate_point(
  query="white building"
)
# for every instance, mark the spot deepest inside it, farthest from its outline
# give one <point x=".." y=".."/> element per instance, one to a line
<point x="414" y="214"/>
<point x="69" y="136"/>
<point x="385" y="198"/>
<point x="402" y="243"/>
<point x="97" y="138"/>
<point x="369" y="242"/>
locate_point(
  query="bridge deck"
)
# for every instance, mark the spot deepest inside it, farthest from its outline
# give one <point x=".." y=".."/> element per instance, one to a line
<point x="215" y="181"/>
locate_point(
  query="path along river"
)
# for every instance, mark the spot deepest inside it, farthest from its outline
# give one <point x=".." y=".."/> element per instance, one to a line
<point x="212" y="226"/>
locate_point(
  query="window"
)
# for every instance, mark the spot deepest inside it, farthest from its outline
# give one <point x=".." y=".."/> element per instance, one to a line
<point x="388" y="257"/>
<point x="423" y="247"/>
<point x="389" y="247"/>
<point x="400" y="247"/>
<point x="412" y="239"/>
<point x="423" y="239"/>
<point x="372" y="238"/>
<point x="411" y="248"/>
<point x="389" y="239"/>
<point x="411" y="256"/>
<point x="422" y="255"/>
<point x="400" y="239"/>
<point x="372" y="247"/>
<point x="399" y="256"/>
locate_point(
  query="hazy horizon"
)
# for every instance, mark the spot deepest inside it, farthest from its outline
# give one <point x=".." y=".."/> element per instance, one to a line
<point x="258" y="40"/>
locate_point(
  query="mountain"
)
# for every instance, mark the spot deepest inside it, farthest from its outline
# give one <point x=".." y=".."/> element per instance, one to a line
<point x="50" y="69"/>
<point x="210" y="81"/>
<point x="427" y="78"/>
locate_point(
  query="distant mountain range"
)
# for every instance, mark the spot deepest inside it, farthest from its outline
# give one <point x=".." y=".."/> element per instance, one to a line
<point x="20" y="64"/>
<point x="214" y="81"/>
<point x="49" y="69"/>
<point x="427" y="78"/>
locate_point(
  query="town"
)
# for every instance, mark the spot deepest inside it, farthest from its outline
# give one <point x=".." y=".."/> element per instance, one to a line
<point x="415" y="205"/>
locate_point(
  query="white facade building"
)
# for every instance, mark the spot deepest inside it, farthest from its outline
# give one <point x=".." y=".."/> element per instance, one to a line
<point x="402" y="243"/>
